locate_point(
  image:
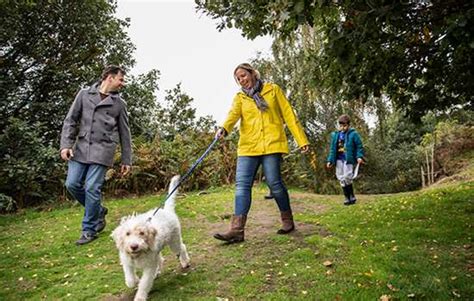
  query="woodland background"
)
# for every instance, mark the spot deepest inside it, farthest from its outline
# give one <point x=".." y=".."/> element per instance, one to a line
<point x="401" y="69"/>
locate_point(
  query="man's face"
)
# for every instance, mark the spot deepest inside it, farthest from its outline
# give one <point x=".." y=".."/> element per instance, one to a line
<point x="343" y="127"/>
<point x="116" y="81"/>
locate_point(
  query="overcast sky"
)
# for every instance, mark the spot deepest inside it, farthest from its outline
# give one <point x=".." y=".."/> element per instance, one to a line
<point x="186" y="47"/>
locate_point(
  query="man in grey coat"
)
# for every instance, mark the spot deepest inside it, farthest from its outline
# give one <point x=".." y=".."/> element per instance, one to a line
<point x="96" y="123"/>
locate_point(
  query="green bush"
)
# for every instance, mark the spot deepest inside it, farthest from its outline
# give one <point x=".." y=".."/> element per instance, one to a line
<point x="30" y="169"/>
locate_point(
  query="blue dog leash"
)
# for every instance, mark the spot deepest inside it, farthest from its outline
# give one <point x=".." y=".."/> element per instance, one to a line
<point x="188" y="173"/>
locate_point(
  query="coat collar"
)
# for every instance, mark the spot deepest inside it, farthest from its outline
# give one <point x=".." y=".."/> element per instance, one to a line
<point x="267" y="88"/>
<point x="96" y="99"/>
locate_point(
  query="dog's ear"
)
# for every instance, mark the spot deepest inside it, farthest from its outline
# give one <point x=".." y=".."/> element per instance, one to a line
<point x="117" y="236"/>
<point x="150" y="236"/>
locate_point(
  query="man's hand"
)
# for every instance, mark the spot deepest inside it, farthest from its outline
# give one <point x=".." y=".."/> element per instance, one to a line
<point x="66" y="154"/>
<point x="125" y="169"/>
<point x="328" y="165"/>
<point x="360" y="161"/>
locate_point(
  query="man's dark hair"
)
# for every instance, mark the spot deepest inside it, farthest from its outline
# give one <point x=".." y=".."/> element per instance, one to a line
<point x="112" y="70"/>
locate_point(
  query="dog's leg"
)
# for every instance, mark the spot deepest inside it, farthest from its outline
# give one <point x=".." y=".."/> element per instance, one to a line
<point x="146" y="282"/>
<point x="131" y="278"/>
<point x="159" y="268"/>
<point x="178" y="247"/>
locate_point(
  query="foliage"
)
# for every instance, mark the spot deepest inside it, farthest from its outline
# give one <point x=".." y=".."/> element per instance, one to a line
<point x="418" y="53"/>
<point x="408" y="246"/>
<point x="50" y="48"/>
<point x="179" y="138"/>
<point x="29" y="165"/>
<point x="142" y="104"/>
<point x="449" y="139"/>
<point x="7" y="203"/>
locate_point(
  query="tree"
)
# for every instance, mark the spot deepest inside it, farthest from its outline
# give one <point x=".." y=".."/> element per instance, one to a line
<point x="417" y="53"/>
<point x="177" y="116"/>
<point x="51" y="48"/>
<point x="143" y="107"/>
<point x="48" y="50"/>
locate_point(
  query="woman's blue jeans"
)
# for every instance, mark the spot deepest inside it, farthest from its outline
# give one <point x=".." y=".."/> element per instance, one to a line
<point x="84" y="182"/>
<point x="247" y="167"/>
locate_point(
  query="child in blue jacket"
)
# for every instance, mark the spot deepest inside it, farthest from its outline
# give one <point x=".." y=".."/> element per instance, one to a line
<point x="345" y="151"/>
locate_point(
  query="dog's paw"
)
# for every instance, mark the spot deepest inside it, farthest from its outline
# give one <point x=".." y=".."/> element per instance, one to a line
<point x="185" y="267"/>
<point x="131" y="282"/>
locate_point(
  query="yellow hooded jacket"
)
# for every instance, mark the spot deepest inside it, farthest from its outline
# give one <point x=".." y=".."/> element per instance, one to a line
<point x="263" y="133"/>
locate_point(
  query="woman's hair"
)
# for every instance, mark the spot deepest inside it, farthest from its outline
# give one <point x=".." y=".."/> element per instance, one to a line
<point x="249" y="68"/>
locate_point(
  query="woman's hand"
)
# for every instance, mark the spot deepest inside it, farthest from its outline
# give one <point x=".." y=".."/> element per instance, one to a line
<point x="304" y="149"/>
<point x="220" y="133"/>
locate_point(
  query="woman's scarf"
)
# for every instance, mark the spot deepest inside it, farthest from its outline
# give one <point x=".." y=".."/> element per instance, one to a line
<point x="254" y="93"/>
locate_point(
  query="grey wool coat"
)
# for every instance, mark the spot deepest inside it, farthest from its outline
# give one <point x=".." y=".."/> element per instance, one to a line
<point x="93" y="128"/>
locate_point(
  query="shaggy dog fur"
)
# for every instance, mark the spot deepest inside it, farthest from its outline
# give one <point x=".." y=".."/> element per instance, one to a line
<point x="140" y="242"/>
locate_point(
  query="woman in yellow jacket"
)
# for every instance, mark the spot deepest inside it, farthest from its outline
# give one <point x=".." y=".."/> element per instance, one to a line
<point x="263" y="110"/>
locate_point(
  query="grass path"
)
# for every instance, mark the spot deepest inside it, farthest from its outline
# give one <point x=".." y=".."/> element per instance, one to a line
<point x="411" y="246"/>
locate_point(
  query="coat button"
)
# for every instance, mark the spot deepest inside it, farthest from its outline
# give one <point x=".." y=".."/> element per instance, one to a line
<point x="90" y="143"/>
<point x="92" y="132"/>
<point x="93" y="120"/>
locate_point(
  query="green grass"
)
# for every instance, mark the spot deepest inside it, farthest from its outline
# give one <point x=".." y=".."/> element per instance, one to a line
<point x="410" y="246"/>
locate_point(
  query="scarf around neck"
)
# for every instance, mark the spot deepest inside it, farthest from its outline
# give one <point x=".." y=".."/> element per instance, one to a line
<point x="254" y="93"/>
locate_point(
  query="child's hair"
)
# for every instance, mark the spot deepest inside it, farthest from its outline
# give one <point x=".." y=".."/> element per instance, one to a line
<point x="344" y="118"/>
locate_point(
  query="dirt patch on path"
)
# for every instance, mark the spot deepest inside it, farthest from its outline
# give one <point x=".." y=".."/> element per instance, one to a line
<point x="264" y="217"/>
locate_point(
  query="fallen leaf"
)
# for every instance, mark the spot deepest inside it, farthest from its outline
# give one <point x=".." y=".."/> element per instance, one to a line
<point x="391" y="287"/>
<point x="327" y="263"/>
<point x="385" y="298"/>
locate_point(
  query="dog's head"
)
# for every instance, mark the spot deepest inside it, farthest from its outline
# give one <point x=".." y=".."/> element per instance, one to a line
<point x="134" y="236"/>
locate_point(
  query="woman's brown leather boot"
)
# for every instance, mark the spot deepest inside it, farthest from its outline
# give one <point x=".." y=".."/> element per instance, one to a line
<point x="236" y="230"/>
<point x="287" y="222"/>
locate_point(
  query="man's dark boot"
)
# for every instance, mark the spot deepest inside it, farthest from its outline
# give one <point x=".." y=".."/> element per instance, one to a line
<point x="236" y="230"/>
<point x="287" y="222"/>
<point x="86" y="238"/>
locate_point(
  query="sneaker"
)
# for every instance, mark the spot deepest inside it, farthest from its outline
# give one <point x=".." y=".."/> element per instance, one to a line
<point x="86" y="238"/>
<point x="268" y="196"/>
<point x="101" y="226"/>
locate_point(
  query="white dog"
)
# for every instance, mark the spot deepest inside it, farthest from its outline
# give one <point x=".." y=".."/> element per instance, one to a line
<point x="140" y="241"/>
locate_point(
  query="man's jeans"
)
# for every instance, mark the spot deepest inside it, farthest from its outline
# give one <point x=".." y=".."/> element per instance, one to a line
<point x="84" y="182"/>
<point x="247" y="167"/>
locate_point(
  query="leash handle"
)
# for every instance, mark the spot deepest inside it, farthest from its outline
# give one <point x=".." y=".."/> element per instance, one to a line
<point x="188" y="173"/>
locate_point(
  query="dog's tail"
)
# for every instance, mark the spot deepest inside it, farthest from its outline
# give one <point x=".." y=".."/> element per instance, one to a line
<point x="169" y="204"/>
